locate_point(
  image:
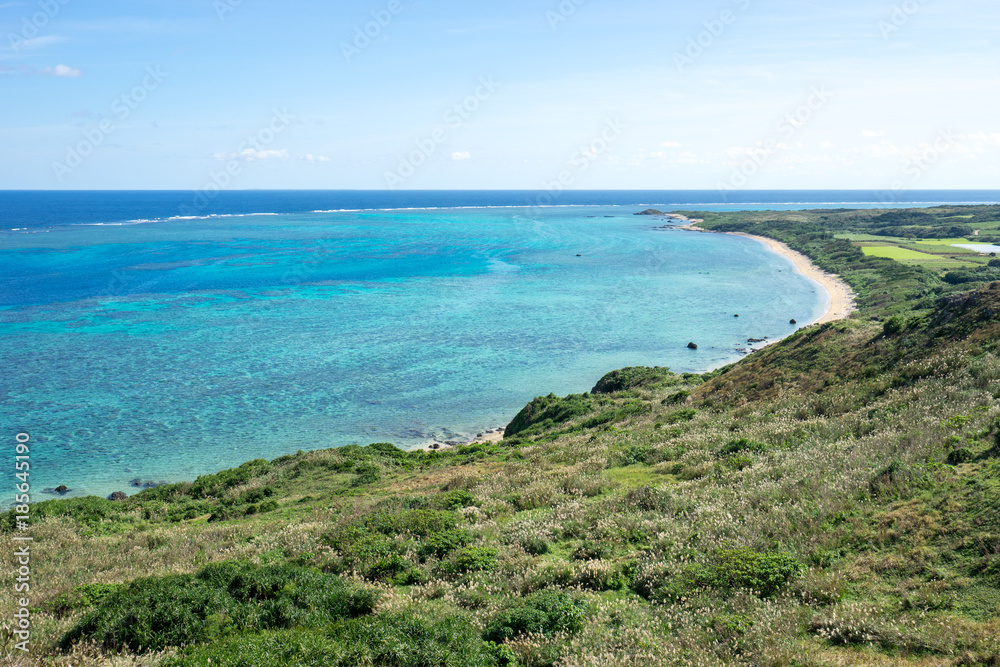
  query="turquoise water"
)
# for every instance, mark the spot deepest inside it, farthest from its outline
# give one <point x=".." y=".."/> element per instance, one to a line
<point x="163" y="350"/>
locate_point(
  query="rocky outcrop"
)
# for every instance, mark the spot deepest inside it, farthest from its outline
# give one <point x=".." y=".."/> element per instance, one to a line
<point x="651" y="211"/>
<point x="118" y="496"/>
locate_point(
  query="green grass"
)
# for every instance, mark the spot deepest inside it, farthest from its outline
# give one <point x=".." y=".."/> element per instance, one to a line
<point x="888" y="240"/>
<point x="899" y="254"/>
<point x="946" y="258"/>
<point x="943" y="242"/>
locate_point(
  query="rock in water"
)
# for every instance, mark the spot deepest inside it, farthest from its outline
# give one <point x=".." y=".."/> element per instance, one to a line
<point x="692" y="346"/>
<point x="118" y="496"/>
<point x="62" y="488"/>
<point x="792" y="321"/>
<point x="651" y="211"/>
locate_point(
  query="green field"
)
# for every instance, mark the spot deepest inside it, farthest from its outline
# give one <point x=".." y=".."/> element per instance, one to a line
<point x="944" y="242"/>
<point x="871" y="237"/>
<point x="900" y="254"/>
<point x="935" y="254"/>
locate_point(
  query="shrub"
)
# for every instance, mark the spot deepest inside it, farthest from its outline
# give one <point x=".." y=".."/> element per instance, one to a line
<point x="635" y="377"/>
<point x="764" y="573"/>
<point x="893" y="325"/>
<point x="367" y="473"/>
<point x="647" y="499"/>
<point x="473" y="559"/>
<point x="591" y="551"/>
<point x="362" y="553"/>
<point x="417" y="522"/>
<point x="453" y="500"/>
<point x="740" y="446"/>
<point x="268" y="506"/>
<point x="387" y="450"/>
<point x="629" y="456"/>
<point x="545" y="412"/>
<point x="674" y="399"/>
<point x="959" y="456"/>
<point x="215" y="485"/>
<point x="739" y="461"/>
<point x="442" y="543"/>
<point x="599" y="575"/>
<point x="81" y="597"/>
<point x="685" y="415"/>
<point x="90" y="511"/>
<point x="962" y="277"/>
<point x="628" y="409"/>
<point x="394" y="569"/>
<point x="892" y="481"/>
<point x="535" y="545"/>
<point x="154" y="613"/>
<point x="544" y="613"/>
<point x="394" y="638"/>
<point x="257" y="495"/>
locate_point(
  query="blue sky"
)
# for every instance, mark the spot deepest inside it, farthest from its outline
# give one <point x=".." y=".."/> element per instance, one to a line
<point x="517" y="94"/>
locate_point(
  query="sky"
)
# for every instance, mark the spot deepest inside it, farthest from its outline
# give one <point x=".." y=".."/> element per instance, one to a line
<point x="519" y="94"/>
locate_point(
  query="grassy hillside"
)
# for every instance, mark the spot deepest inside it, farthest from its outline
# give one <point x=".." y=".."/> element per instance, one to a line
<point x="833" y="499"/>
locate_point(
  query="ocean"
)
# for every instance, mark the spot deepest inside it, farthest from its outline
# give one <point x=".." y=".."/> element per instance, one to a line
<point x="157" y="336"/>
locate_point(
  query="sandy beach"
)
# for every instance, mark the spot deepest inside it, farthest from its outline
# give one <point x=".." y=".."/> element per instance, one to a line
<point x="841" y="296"/>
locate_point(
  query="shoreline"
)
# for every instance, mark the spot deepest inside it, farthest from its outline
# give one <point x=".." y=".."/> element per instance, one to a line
<point x="840" y="298"/>
<point x="486" y="435"/>
<point x="839" y="294"/>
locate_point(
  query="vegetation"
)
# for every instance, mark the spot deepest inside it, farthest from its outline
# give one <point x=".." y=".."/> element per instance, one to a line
<point x="833" y="499"/>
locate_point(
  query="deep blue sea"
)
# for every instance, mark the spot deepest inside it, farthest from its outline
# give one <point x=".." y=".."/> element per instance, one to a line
<point x="156" y="336"/>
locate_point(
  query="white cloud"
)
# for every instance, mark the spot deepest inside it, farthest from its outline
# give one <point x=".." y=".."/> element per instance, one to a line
<point x="250" y="154"/>
<point x="826" y="144"/>
<point x="39" y="42"/>
<point x="670" y="144"/>
<point x="60" y="71"/>
<point x="309" y="157"/>
<point x="461" y="156"/>
<point x="982" y="138"/>
<point x="872" y="134"/>
<point x="881" y="150"/>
